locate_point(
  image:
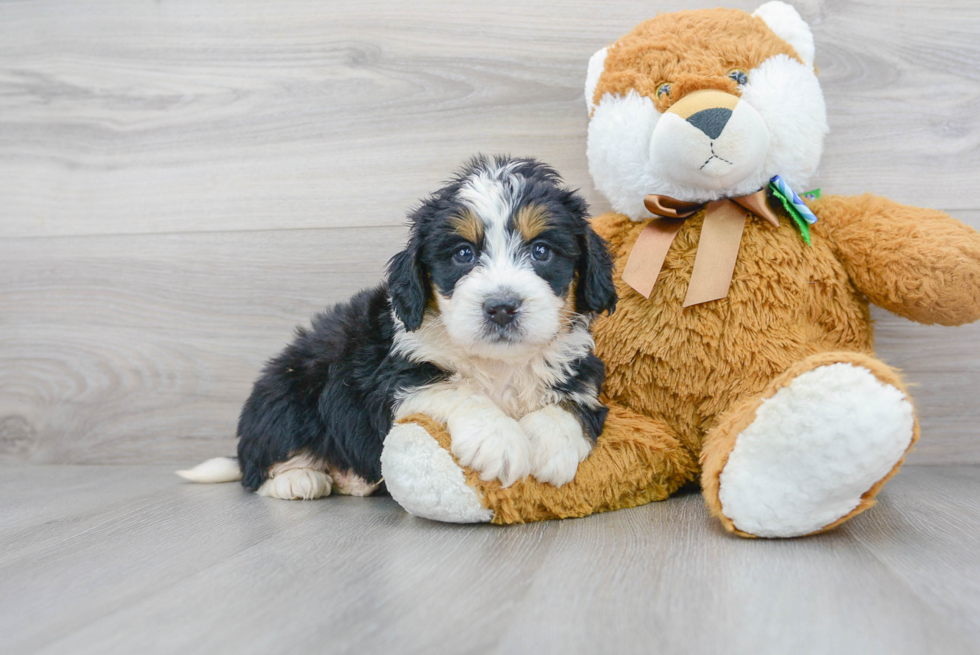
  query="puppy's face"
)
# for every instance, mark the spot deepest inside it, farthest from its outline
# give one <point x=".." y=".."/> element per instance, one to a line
<point x="504" y="258"/>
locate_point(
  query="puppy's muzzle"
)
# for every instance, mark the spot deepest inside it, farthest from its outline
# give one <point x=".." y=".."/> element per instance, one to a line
<point x="502" y="310"/>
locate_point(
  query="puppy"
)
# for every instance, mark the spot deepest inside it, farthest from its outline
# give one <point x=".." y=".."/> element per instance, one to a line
<point x="483" y="324"/>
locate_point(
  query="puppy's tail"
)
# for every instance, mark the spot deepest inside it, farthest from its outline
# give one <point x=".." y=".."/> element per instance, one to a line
<point x="217" y="469"/>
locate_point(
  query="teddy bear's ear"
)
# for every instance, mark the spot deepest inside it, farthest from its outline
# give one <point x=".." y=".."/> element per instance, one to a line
<point x="788" y="25"/>
<point x="596" y="65"/>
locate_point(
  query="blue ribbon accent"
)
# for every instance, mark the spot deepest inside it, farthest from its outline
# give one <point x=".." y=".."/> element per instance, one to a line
<point x="796" y="201"/>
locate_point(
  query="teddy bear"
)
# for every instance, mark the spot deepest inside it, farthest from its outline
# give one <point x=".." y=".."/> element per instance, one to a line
<point x="740" y="356"/>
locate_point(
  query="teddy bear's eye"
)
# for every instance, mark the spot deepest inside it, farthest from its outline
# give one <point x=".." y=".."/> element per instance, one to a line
<point x="663" y="90"/>
<point x="741" y="77"/>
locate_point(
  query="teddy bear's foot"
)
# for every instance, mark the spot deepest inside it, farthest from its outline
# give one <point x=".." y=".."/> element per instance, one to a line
<point x="812" y="450"/>
<point x="423" y="478"/>
<point x="635" y="461"/>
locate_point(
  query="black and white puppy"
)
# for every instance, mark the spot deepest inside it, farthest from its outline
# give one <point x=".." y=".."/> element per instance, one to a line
<point x="483" y="324"/>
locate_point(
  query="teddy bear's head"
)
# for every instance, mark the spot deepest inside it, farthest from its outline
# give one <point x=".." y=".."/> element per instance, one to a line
<point x="701" y="105"/>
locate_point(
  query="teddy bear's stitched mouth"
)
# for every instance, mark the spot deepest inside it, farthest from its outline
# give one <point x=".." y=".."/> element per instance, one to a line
<point x="714" y="156"/>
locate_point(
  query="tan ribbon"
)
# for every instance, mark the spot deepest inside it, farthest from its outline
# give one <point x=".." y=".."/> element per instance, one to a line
<point x="721" y="234"/>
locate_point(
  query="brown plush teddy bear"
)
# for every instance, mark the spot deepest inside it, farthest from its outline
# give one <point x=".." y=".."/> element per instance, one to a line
<point x="740" y="355"/>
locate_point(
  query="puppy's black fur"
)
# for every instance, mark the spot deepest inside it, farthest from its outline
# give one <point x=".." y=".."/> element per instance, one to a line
<point x="331" y="392"/>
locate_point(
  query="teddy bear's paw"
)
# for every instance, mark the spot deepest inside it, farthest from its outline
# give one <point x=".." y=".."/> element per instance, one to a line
<point x="423" y="478"/>
<point x="494" y="445"/>
<point x="558" y="444"/>
<point x="813" y="450"/>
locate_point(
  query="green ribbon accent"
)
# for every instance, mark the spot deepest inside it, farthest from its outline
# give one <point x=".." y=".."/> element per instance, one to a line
<point x="793" y="212"/>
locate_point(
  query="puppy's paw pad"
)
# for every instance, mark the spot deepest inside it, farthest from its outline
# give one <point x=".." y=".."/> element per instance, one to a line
<point x="297" y="484"/>
<point x="558" y="444"/>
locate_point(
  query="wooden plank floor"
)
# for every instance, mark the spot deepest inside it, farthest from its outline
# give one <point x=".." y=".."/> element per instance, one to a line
<point x="129" y="559"/>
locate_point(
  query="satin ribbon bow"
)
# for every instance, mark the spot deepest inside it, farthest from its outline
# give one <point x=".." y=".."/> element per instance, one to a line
<point x="714" y="263"/>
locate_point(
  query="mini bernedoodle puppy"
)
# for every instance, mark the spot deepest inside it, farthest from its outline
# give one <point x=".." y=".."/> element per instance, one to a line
<point x="483" y="324"/>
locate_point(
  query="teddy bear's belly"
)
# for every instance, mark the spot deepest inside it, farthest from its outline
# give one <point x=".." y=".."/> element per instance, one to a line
<point x="686" y="366"/>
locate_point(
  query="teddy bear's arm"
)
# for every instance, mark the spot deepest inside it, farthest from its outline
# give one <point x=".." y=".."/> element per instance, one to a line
<point x="918" y="263"/>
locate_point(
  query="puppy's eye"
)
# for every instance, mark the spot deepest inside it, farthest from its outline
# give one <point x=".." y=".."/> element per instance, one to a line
<point x="463" y="255"/>
<point x="663" y="90"/>
<point x="741" y="77"/>
<point x="540" y="252"/>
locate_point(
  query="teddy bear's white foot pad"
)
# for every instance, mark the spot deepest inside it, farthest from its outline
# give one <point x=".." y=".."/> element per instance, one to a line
<point x="423" y="478"/>
<point x="814" y="448"/>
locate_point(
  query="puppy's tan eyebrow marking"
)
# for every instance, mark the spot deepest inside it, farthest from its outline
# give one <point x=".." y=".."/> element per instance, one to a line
<point x="469" y="226"/>
<point x="531" y="220"/>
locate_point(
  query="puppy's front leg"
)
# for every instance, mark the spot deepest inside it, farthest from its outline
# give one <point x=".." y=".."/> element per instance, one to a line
<point x="484" y="438"/>
<point x="558" y="444"/>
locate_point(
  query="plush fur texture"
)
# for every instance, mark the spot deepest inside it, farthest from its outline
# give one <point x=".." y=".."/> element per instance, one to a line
<point x="637" y="145"/>
<point x="812" y="451"/>
<point x="483" y="322"/>
<point x="426" y="480"/>
<point x="760" y="380"/>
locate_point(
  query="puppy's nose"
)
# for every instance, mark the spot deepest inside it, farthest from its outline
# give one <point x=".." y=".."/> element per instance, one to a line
<point x="711" y="121"/>
<point x="502" y="310"/>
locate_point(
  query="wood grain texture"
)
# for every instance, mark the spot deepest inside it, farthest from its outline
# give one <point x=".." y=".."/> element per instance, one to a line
<point x="137" y="349"/>
<point x="130" y="559"/>
<point x="182" y="183"/>
<point x="183" y="116"/>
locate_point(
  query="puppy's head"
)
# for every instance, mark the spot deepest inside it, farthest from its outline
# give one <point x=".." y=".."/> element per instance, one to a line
<point x="504" y="257"/>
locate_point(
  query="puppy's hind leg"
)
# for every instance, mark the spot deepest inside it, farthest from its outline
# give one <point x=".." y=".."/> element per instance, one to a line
<point x="301" y="477"/>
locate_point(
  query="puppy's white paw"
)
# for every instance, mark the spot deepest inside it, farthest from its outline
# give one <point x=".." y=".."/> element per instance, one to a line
<point x="297" y="484"/>
<point x="491" y="443"/>
<point x="558" y="444"/>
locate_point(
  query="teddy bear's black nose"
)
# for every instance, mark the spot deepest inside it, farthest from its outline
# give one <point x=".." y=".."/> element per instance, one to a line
<point x="711" y="121"/>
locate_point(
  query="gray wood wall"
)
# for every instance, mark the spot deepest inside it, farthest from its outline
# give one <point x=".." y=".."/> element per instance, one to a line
<point x="183" y="182"/>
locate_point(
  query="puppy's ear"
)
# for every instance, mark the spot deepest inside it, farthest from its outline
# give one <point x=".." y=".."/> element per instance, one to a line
<point x="595" y="291"/>
<point x="407" y="283"/>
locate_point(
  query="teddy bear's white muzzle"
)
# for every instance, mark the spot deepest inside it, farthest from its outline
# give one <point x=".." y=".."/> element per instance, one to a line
<point x="709" y="140"/>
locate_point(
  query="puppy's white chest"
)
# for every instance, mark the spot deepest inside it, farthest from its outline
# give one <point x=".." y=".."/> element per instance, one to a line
<point x="515" y="388"/>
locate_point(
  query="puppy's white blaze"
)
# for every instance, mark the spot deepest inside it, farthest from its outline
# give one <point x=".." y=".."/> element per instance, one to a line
<point x="492" y="193"/>
<point x="558" y="444"/>
<point x="214" y="470"/>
